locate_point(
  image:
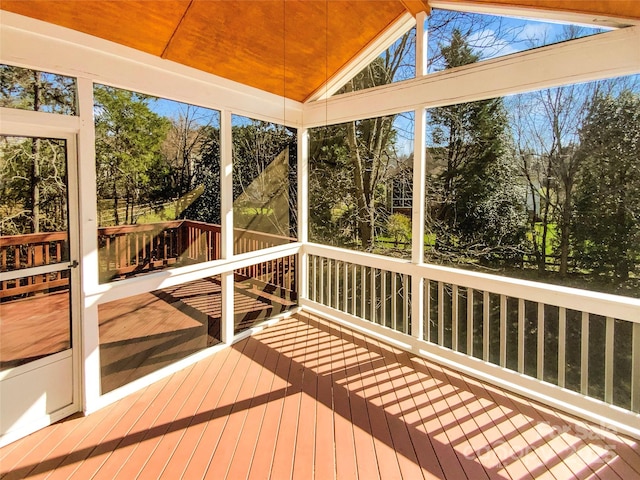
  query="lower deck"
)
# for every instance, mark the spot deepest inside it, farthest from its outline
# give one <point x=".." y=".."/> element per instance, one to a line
<point x="306" y="398"/>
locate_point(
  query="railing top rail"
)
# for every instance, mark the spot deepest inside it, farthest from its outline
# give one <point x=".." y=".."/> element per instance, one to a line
<point x="604" y="304"/>
<point x="210" y="227"/>
<point x="135" y="228"/>
<point x="31" y="238"/>
<point x="267" y="236"/>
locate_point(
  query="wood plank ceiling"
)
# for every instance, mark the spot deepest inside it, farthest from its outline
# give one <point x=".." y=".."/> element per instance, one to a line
<point x="286" y="47"/>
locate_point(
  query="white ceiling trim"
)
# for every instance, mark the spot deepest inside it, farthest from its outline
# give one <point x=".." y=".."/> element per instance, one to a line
<point x="532" y="13"/>
<point x="383" y="41"/>
<point x="602" y="56"/>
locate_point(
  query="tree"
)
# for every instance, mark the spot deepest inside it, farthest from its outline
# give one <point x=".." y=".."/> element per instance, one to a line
<point x="399" y="228"/>
<point x="183" y="145"/>
<point x="476" y="202"/>
<point x="129" y="137"/>
<point x="368" y="145"/>
<point x="17" y="156"/>
<point x="265" y="178"/>
<point x="206" y="208"/>
<point x="545" y="125"/>
<point x="607" y="217"/>
<point x="41" y="92"/>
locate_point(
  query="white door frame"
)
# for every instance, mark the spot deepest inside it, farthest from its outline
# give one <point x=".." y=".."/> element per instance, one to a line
<point x="46" y="125"/>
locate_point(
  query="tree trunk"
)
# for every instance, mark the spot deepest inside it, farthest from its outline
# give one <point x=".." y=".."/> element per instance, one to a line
<point x="35" y="166"/>
<point x="365" y="217"/>
<point x="116" y="219"/>
<point x="565" y="230"/>
<point x="622" y="262"/>
<point x="35" y="185"/>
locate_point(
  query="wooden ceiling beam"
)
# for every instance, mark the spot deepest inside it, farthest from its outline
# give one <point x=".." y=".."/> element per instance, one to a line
<point x="414" y="7"/>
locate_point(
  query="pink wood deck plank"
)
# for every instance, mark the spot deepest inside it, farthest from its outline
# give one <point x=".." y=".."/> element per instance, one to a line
<point x="284" y="453"/>
<point x="494" y="426"/>
<point x="234" y="428"/>
<point x="262" y="461"/>
<point x="303" y="460"/>
<point x="438" y="423"/>
<point x="247" y="443"/>
<point x="197" y="423"/>
<point x="557" y="455"/>
<point x="143" y="450"/>
<point x="13" y="456"/>
<point x="77" y="447"/>
<point x="139" y="411"/>
<point x="309" y="399"/>
<point x="193" y="389"/>
<point x="369" y="464"/>
<point x="409" y="389"/>
<point x="604" y="445"/>
<point x="325" y="455"/>
<point x="219" y="408"/>
<point x="343" y="427"/>
<point x="390" y="376"/>
<point x="506" y="427"/>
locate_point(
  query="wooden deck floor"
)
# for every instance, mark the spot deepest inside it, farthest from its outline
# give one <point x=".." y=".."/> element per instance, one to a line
<point x="307" y="399"/>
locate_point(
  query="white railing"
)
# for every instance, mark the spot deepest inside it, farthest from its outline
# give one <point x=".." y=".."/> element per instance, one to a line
<point x="576" y="350"/>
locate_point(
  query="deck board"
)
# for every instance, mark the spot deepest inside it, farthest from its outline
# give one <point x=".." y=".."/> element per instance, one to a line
<point x="306" y="399"/>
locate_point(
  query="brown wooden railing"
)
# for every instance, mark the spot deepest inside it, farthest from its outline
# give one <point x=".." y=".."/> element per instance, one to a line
<point x="129" y="250"/>
<point x="33" y="250"/>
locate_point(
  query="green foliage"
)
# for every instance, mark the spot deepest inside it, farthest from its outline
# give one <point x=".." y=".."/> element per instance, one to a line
<point x="128" y="141"/>
<point x="352" y="162"/>
<point x="206" y="208"/>
<point x="38" y="91"/>
<point x="477" y="205"/>
<point x="33" y="170"/>
<point x="607" y="210"/>
<point x="399" y="228"/>
<point x="332" y="217"/>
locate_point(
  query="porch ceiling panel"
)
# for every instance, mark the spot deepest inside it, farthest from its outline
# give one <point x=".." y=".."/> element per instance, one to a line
<point x="143" y="25"/>
<point x="243" y="41"/>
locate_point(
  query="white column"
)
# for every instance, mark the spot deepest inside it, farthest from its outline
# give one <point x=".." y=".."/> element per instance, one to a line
<point x="417" y="222"/>
<point x="303" y="210"/>
<point x="421" y="44"/>
<point x="226" y="216"/>
<point x="90" y="373"/>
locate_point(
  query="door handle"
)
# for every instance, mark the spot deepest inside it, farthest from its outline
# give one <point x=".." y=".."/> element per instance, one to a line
<point x="74" y="264"/>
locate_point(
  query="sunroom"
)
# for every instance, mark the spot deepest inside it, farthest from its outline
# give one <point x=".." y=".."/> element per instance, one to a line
<point x="320" y="239"/>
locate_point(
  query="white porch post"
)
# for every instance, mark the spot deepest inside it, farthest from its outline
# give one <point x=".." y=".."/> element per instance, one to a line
<point x="417" y="223"/>
<point x="303" y="210"/>
<point x="421" y="44"/>
<point x="90" y="336"/>
<point x="226" y="216"/>
<point x="418" y="201"/>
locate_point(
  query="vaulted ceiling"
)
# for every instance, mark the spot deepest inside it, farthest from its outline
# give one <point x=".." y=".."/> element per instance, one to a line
<point x="286" y="47"/>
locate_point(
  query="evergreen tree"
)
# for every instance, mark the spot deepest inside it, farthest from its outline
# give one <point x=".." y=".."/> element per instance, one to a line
<point x="129" y="137"/>
<point x="607" y="218"/>
<point x="477" y="202"/>
<point x="206" y="208"/>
